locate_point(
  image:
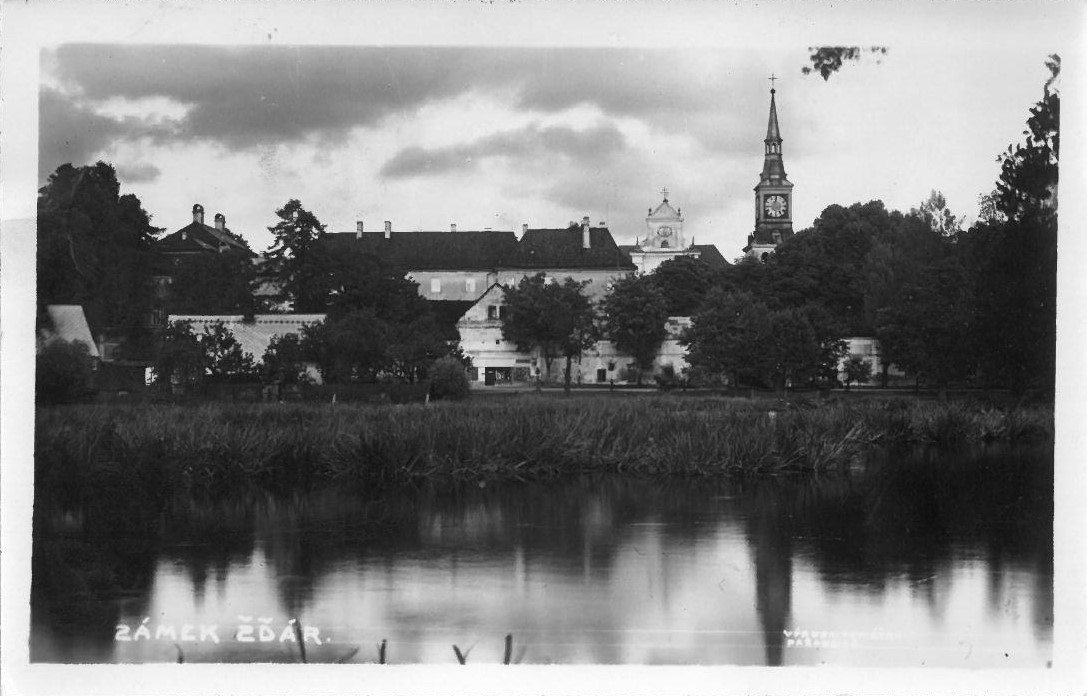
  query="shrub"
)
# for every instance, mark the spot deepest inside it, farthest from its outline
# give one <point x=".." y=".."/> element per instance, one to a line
<point x="448" y="379"/>
<point x="64" y="373"/>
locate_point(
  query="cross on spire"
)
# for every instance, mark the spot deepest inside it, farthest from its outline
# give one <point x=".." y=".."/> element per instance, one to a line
<point x="664" y="192"/>
<point x="772" y="78"/>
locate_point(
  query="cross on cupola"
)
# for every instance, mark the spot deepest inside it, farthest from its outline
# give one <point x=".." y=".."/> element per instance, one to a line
<point x="664" y="193"/>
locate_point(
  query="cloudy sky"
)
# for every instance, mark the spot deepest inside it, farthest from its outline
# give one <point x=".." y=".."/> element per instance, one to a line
<point x="498" y="136"/>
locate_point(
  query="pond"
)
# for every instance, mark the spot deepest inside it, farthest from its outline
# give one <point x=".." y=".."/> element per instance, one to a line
<point x="921" y="558"/>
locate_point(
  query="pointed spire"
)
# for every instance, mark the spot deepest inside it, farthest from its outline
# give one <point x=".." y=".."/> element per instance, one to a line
<point x="772" y="132"/>
<point x="772" y="168"/>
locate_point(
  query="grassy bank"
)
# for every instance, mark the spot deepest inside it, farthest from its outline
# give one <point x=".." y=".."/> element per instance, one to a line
<point x="222" y="447"/>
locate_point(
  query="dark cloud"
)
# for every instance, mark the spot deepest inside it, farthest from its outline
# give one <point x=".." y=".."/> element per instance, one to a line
<point x="241" y="96"/>
<point x="70" y="132"/>
<point x="138" y="173"/>
<point x="580" y="145"/>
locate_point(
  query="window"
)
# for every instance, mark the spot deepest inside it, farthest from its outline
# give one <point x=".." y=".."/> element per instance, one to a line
<point x="470" y="285"/>
<point x="664" y="244"/>
<point x="492" y="311"/>
<point x="777" y="238"/>
<point x="435" y="285"/>
<point x="503" y="312"/>
<point x="498" y="341"/>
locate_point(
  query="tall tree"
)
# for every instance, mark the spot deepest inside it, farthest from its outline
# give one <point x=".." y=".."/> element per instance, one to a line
<point x="1013" y="255"/>
<point x="726" y="336"/>
<point x="94" y="250"/>
<point x="294" y="258"/>
<point x="929" y="329"/>
<point x="684" y="282"/>
<point x="635" y="313"/>
<point x="557" y="319"/>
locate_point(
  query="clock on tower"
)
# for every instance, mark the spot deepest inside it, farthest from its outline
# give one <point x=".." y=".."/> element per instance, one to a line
<point x="776" y="206"/>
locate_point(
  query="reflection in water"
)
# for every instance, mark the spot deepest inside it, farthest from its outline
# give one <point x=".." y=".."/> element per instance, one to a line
<point x="922" y="559"/>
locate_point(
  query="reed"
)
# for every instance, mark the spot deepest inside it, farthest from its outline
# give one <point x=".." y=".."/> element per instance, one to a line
<point x="160" y="450"/>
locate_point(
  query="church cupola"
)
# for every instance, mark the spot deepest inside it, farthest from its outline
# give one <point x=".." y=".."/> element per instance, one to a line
<point x="664" y="227"/>
<point x="773" y="194"/>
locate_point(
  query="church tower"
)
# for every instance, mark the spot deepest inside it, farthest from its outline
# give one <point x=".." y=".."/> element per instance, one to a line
<point x="773" y="195"/>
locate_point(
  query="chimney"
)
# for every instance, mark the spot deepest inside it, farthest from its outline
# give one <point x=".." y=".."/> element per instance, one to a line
<point x="453" y="227"/>
<point x="388" y="229"/>
<point x="358" y="229"/>
<point x="524" y="229"/>
<point x="585" y="232"/>
<point x="220" y="221"/>
<point x="198" y="213"/>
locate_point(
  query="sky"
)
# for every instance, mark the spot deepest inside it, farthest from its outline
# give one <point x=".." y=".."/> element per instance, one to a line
<point x="497" y="136"/>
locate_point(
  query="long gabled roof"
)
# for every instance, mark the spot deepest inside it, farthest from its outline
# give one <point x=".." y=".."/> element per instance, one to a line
<point x="562" y="248"/>
<point x="256" y="334"/>
<point x="198" y="237"/>
<point x="438" y="251"/>
<point x="486" y="250"/>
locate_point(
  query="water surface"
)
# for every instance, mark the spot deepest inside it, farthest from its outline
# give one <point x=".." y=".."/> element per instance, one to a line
<point x="923" y="559"/>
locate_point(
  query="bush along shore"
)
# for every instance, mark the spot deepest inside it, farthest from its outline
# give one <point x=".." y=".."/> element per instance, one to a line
<point x="219" y="448"/>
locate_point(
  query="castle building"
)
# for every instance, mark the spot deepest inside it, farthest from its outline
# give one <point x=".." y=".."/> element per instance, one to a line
<point x="773" y="196"/>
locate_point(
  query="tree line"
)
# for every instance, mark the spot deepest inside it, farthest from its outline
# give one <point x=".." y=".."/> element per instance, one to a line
<point x="948" y="305"/>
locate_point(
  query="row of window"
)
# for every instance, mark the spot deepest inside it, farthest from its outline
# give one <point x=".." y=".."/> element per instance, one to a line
<point x="436" y="285"/>
<point x="470" y="284"/>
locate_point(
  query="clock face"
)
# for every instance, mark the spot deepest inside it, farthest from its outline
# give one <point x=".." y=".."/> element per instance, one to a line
<point x="664" y="231"/>
<point x="776" y="206"/>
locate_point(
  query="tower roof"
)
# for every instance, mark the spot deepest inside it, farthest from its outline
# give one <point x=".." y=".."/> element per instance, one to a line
<point x="773" y="169"/>
<point x="772" y="132"/>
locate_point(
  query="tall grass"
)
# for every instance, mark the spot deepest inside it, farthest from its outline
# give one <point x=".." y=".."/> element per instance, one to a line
<point x="223" y="447"/>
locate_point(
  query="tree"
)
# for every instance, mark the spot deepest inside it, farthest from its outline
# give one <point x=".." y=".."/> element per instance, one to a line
<point x="350" y="348"/>
<point x="827" y="60"/>
<point x="793" y="352"/>
<point x="284" y="361"/>
<point x="557" y="319"/>
<point x="363" y="281"/>
<point x="1012" y="256"/>
<point x="223" y="356"/>
<point x="448" y="379"/>
<point x="414" y="347"/>
<point x="856" y="369"/>
<point x="725" y="336"/>
<point x="928" y="330"/>
<point x="186" y="358"/>
<point x="937" y="216"/>
<point x="635" y="312"/>
<point x="94" y="250"/>
<point x="179" y="357"/>
<point x="212" y="284"/>
<point x="63" y="373"/>
<point x="684" y="282"/>
<point x="294" y="259"/>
